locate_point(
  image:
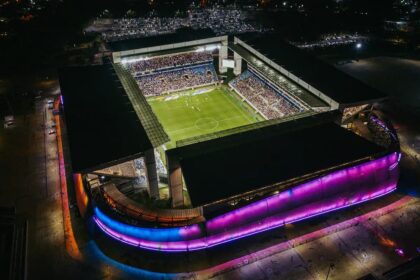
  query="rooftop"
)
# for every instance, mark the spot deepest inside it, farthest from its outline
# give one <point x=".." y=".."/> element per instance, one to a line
<point x="239" y="163"/>
<point x="339" y="86"/>
<point x="102" y="125"/>
<point x="278" y="78"/>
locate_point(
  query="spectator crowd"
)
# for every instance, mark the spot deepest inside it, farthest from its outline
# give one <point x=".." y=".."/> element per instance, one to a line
<point x="165" y="62"/>
<point x="177" y="79"/>
<point x="164" y="74"/>
<point x="170" y="73"/>
<point x="269" y="101"/>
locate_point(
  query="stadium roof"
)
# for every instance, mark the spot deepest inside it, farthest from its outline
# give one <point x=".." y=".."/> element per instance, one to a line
<point x="148" y="119"/>
<point x="230" y="166"/>
<point x="273" y="76"/>
<point x="339" y="86"/>
<point x="182" y="35"/>
<point x="102" y="125"/>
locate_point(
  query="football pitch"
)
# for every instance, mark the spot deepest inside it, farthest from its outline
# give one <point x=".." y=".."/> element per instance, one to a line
<point x="201" y="111"/>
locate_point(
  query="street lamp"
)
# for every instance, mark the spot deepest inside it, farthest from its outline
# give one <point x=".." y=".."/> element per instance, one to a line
<point x="358" y="49"/>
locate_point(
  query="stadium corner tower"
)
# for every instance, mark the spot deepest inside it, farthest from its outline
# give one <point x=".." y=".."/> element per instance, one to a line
<point x="182" y="143"/>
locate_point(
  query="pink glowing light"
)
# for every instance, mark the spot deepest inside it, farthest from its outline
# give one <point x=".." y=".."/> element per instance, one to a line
<point x="400" y="252"/>
<point x="211" y="241"/>
<point x="338" y="190"/>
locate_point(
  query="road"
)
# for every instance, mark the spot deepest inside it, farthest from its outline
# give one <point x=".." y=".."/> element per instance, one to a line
<point x="30" y="181"/>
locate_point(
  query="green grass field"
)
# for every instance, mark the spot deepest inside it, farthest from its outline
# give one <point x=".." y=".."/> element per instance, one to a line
<point x="201" y="111"/>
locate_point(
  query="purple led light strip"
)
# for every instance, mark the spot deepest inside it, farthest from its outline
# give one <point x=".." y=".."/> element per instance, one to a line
<point x="382" y="124"/>
<point x="185" y="245"/>
<point x="331" y="192"/>
<point x="351" y="181"/>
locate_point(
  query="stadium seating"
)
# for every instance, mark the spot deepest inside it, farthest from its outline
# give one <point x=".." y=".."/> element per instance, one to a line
<point x="172" y="73"/>
<point x="165" y="74"/>
<point x="173" y="80"/>
<point x="269" y="101"/>
<point x="165" y="62"/>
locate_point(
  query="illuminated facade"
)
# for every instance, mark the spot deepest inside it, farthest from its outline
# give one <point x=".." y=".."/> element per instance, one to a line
<point x="331" y="192"/>
<point x="319" y="168"/>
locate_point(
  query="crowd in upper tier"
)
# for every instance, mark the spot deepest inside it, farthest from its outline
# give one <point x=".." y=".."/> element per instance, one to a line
<point x="177" y="79"/>
<point x="170" y="73"/>
<point x="164" y="62"/>
<point x="269" y="101"/>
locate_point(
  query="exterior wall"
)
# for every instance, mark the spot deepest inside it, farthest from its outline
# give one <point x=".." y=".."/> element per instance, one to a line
<point x="117" y="56"/>
<point x="152" y="178"/>
<point x="328" y="100"/>
<point x="238" y="64"/>
<point x="337" y="190"/>
<point x="223" y="54"/>
<point x="82" y="198"/>
<point x="118" y="201"/>
<point x="175" y="182"/>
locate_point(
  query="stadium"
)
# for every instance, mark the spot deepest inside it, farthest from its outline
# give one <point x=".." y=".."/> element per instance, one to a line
<point x="183" y="143"/>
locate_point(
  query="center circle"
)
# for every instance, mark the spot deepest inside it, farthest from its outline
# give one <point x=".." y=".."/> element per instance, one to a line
<point x="206" y="123"/>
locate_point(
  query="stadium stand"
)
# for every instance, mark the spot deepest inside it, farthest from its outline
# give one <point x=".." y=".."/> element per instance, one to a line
<point x="342" y="88"/>
<point x="267" y="99"/>
<point x="165" y="62"/>
<point x="170" y="73"/>
<point x="178" y="79"/>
